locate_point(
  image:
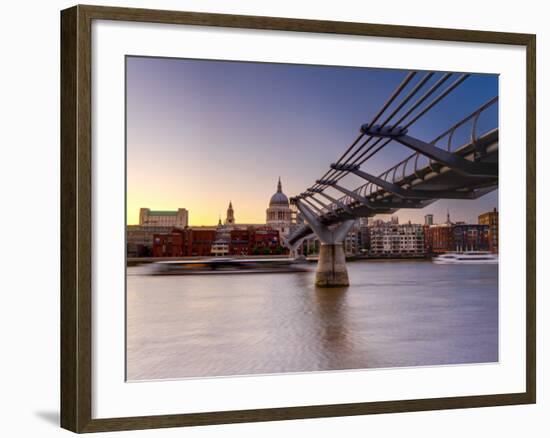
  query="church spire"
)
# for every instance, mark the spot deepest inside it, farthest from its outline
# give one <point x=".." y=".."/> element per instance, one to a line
<point x="279" y="186"/>
<point x="230" y="218"/>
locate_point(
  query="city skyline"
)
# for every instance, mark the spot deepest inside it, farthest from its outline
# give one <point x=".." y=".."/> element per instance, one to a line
<point x="384" y="217"/>
<point x="203" y="133"/>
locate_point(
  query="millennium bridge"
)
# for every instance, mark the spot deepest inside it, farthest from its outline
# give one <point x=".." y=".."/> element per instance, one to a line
<point x="436" y="169"/>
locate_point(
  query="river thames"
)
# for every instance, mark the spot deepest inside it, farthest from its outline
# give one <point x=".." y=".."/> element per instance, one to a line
<point x="394" y="314"/>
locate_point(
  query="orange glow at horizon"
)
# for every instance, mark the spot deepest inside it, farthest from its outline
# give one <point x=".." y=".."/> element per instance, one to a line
<point x="200" y="214"/>
<point x="201" y="133"/>
<point x="205" y="207"/>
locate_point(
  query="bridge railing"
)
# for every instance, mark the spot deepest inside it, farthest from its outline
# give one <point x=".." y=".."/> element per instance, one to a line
<point x="415" y="166"/>
<point x="413" y="163"/>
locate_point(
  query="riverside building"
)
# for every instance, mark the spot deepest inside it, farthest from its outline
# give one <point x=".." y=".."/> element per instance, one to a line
<point x="393" y="240"/>
<point x="491" y="220"/>
<point x="167" y="218"/>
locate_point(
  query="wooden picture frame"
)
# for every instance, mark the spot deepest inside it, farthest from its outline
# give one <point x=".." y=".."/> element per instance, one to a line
<point x="76" y="237"/>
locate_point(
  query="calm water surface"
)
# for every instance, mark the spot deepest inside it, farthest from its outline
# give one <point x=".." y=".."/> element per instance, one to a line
<point x="394" y="314"/>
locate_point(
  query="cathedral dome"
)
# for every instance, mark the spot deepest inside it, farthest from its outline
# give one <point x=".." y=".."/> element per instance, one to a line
<point x="279" y="198"/>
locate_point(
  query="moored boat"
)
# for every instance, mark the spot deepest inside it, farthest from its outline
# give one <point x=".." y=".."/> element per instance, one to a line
<point x="466" y="258"/>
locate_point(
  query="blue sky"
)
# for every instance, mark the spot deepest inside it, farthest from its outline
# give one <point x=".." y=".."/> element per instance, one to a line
<point x="202" y="132"/>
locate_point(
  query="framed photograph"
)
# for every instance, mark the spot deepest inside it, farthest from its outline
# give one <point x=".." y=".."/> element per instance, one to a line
<point x="268" y="219"/>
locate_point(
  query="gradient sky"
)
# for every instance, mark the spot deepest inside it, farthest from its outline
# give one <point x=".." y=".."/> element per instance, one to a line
<point x="201" y="133"/>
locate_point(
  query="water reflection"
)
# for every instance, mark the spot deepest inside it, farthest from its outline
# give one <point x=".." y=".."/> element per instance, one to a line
<point x="335" y="338"/>
<point x="393" y="314"/>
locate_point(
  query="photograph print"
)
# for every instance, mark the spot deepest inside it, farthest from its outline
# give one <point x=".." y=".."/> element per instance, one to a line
<point x="287" y="218"/>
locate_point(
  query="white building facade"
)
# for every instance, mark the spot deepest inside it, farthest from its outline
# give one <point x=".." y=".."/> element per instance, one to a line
<point x="397" y="240"/>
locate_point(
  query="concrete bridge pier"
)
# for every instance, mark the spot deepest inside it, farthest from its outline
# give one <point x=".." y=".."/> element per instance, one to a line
<point x="331" y="267"/>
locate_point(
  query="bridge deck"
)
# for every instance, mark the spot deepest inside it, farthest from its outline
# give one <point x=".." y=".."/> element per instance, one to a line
<point x="432" y="177"/>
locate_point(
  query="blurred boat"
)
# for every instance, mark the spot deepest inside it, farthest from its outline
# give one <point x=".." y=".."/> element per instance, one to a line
<point x="226" y="266"/>
<point x="466" y="258"/>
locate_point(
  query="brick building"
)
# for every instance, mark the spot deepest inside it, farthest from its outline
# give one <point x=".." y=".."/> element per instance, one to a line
<point x="491" y="220"/>
<point x="139" y="239"/>
<point x="439" y="238"/>
<point x="265" y="240"/>
<point x="471" y="237"/>
<point x="208" y="241"/>
<point x="199" y="241"/>
<point x="184" y="242"/>
<point x="169" y="244"/>
<point x="239" y="243"/>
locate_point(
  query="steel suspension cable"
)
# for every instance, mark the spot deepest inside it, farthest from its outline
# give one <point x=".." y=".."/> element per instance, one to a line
<point x="422" y="99"/>
<point x="331" y="174"/>
<point x="341" y="173"/>
<point x="424" y="111"/>
<point x="364" y="157"/>
<point x="384" y="107"/>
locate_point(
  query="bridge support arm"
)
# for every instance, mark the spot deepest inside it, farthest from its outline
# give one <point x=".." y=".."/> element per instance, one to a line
<point x="353" y="195"/>
<point x="293" y="248"/>
<point x="443" y="157"/>
<point x="377" y="206"/>
<point x="331" y="266"/>
<point x="337" y="202"/>
<point x="313" y="220"/>
<point x="321" y="203"/>
<point x="341" y="231"/>
<point x="449" y="159"/>
<point x="411" y="193"/>
<point x="317" y="209"/>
